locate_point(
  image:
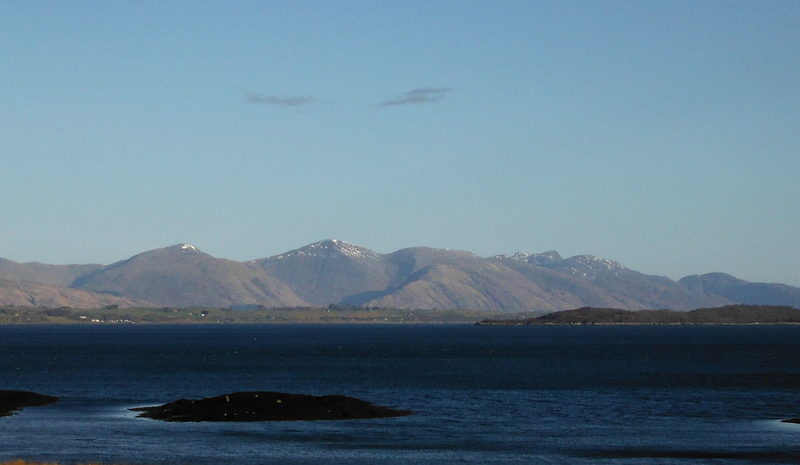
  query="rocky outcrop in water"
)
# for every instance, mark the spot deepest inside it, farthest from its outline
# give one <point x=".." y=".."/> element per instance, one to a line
<point x="268" y="406"/>
<point x="11" y="401"/>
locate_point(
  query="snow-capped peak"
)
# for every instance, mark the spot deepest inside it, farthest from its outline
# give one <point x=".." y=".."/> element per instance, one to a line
<point x="188" y="247"/>
<point x="327" y="247"/>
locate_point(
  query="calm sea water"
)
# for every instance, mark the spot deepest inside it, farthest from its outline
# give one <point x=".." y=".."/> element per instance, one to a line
<point x="484" y="395"/>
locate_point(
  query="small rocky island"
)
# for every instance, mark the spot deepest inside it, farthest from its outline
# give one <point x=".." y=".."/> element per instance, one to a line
<point x="11" y="401"/>
<point x="268" y="406"/>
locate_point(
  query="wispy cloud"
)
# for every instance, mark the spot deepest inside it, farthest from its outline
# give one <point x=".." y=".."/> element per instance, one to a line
<point x="416" y="96"/>
<point x="262" y="99"/>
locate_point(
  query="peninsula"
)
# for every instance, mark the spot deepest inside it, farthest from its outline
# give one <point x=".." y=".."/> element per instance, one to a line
<point x="11" y="401"/>
<point x="729" y="314"/>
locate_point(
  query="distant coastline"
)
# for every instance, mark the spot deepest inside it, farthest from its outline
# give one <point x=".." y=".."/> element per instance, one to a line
<point x="336" y="314"/>
<point x="332" y="314"/>
<point x="726" y="315"/>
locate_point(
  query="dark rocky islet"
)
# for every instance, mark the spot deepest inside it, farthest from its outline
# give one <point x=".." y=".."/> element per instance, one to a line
<point x="268" y="406"/>
<point x="11" y="401"/>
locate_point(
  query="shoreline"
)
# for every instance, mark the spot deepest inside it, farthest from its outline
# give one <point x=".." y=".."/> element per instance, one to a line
<point x="205" y="316"/>
<point x="13" y="401"/>
<point x="726" y="315"/>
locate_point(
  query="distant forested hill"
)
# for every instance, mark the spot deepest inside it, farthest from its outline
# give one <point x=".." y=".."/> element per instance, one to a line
<point x="729" y="314"/>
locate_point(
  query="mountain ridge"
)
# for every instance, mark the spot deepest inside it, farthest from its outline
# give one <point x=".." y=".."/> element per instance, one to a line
<point x="182" y="276"/>
<point x="340" y="273"/>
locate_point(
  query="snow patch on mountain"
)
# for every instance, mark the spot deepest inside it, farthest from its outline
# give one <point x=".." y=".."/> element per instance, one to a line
<point x="540" y="259"/>
<point x="597" y="263"/>
<point x="590" y="267"/>
<point x="331" y="247"/>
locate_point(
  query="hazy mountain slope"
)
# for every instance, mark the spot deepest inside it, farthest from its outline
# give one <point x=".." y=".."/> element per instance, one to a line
<point x="183" y="276"/>
<point x="328" y="271"/>
<point x="334" y="271"/>
<point x="636" y="290"/>
<point x="710" y="282"/>
<point x="424" y="278"/>
<point x="56" y="275"/>
<point x="744" y="292"/>
<point x="436" y="286"/>
<point x="28" y="293"/>
<point x="418" y="277"/>
<point x="402" y="264"/>
<point x="561" y="290"/>
<point x="631" y="289"/>
<point x="484" y="286"/>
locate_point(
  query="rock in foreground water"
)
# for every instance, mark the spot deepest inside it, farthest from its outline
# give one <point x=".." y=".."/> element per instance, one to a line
<point x="11" y="401"/>
<point x="268" y="406"/>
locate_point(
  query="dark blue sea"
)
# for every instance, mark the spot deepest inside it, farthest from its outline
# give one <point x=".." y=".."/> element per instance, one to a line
<point x="481" y="394"/>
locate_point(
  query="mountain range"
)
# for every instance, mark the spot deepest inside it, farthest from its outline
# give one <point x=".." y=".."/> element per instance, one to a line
<point x="336" y="272"/>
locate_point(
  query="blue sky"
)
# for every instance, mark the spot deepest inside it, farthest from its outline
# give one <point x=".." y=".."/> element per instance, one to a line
<point x="663" y="135"/>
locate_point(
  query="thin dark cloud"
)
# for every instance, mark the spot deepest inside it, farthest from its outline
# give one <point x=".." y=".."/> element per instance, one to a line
<point x="262" y="99"/>
<point x="417" y="96"/>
